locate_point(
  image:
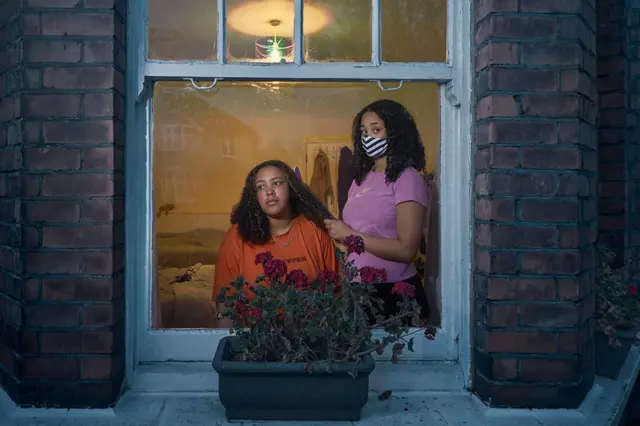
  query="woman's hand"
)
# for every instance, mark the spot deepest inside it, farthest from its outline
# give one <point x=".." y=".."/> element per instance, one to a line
<point x="338" y="230"/>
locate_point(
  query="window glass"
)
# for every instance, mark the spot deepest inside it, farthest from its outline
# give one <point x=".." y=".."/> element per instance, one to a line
<point x="414" y="31"/>
<point x="206" y="141"/>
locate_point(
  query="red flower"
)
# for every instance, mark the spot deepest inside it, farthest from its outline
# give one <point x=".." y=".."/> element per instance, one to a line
<point x="275" y="269"/>
<point x="255" y="313"/>
<point x="263" y="258"/>
<point x="371" y="275"/>
<point x="403" y="288"/>
<point x="298" y="279"/>
<point x="633" y="290"/>
<point x="354" y="244"/>
<point x="241" y="308"/>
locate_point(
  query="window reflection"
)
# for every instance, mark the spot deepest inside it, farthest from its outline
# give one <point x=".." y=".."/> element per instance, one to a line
<point x="262" y="30"/>
<point x="206" y="141"/>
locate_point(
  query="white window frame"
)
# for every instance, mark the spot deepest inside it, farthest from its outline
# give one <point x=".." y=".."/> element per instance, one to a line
<point x="146" y="345"/>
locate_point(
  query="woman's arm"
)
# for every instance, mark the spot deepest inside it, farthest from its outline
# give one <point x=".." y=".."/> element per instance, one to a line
<point x="411" y="216"/>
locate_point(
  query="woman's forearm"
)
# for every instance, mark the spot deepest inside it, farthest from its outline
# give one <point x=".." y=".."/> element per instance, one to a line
<point x="391" y="249"/>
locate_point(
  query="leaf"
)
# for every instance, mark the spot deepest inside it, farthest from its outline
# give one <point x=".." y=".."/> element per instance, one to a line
<point x="353" y="373"/>
<point x="410" y="345"/>
<point x="384" y="395"/>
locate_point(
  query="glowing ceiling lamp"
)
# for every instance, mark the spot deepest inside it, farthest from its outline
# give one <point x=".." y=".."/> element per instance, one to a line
<point x="272" y="21"/>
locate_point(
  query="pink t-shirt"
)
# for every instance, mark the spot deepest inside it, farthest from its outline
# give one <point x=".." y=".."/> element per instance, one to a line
<point x="371" y="210"/>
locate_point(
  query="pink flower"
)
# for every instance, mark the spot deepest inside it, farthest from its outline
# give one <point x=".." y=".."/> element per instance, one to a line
<point x="263" y="258"/>
<point x="241" y="308"/>
<point x="354" y="244"/>
<point x="255" y="313"/>
<point x="275" y="269"/>
<point x="298" y="279"/>
<point x="371" y="275"/>
<point x="403" y="288"/>
<point x="633" y="290"/>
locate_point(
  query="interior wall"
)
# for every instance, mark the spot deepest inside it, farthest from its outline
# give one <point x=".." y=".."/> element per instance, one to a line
<point x="206" y="141"/>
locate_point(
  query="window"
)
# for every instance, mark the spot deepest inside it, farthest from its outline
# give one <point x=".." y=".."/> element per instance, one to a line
<point x="221" y="86"/>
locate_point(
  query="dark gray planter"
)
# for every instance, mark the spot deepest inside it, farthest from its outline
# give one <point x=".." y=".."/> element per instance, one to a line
<point x="609" y="360"/>
<point x="285" y="391"/>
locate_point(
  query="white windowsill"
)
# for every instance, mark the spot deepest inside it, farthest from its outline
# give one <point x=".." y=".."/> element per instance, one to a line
<point x="423" y="393"/>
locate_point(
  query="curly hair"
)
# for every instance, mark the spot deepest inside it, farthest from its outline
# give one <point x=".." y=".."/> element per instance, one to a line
<point x="405" y="144"/>
<point x="252" y="222"/>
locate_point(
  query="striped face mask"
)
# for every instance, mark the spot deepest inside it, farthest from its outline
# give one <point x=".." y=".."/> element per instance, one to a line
<point x="374" y="147"/>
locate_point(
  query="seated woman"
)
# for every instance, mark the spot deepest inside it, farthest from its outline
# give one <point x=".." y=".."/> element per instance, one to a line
<point x="277" y="212"/>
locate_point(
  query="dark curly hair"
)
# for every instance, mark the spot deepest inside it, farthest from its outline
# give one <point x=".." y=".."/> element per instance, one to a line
<point x="253" y="224"/>
<point x="405" y="144"/>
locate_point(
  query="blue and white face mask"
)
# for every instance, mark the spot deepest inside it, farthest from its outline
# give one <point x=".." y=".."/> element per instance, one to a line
<point x="374" y="147"/>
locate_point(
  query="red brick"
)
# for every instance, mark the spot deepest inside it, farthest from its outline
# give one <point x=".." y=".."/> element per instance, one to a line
<point x="70" y="342"/>
<point x="521" y="289"/>
<point x="102" y="159"/>
<point x="551" y="105"/>
<point x="52" y="211"/>
<point x="573" y="185"/>
<point x="486" y="7"/>
<point x="513" y="26"/>
<point x="98" y="104"/>
<point x="546" y="6"/>
<point x="98" y="51"/>
<point x="520" y="131"/>
<point x="52" y="263"/>
<point x="502" y="210"/>
<point x="99" y="4"/>
<point x="50" y="368"/>
<point x="569" y="237"/>
<point x="521" y="342"/>
<point x="497" y="54"/>
<point x="522" y="80"/>
<point x="78" y="24"/>
<point x="513" y="236"/>
<point x="102" y="263"/>
<point x="93" y="368"/>
<point x="52" y="159"/>
<point x="549" y="370"/>
<point x="85" y="289"/>
<point x="97" y="316"/>
<point x="77" y="78"/>
<point x="29" y="342"/>
<point x="550" y="159"/>
<point x="550" y="263"/>
<point x="53" y="3"/>
<point x="548" y="211"/>
<point x="95" y="236"/>
<point x="50" y="105"/>
<point x="496" y="262"/>
<point x="549" y="315"/>
<point x="51" y="315"/>
<point x="496" y="106"/>
<point x="78" y="185"/>
<point x="529" y="184"/>
<point x="78" y="132"/>
<point x="503" y="315"/>
<point x="505" y="368"/>
<point x="31" y="24"/>
<point x="102" y="210"/>
<point x="52" y="51"/>
<point x="548" y="54"/>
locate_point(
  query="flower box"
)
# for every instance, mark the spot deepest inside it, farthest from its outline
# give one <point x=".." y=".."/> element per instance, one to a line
<point x="609" y="359"/>
<point x="256" y="391"/>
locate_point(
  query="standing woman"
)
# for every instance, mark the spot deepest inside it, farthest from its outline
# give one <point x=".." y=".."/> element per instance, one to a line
<point x="387" y="202"/>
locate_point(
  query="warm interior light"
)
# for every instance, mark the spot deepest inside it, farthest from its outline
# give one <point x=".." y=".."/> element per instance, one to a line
<point x="255" y="18"/>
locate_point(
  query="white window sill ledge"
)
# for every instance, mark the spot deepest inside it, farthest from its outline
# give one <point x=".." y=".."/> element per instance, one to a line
<point x="446" y="406"/>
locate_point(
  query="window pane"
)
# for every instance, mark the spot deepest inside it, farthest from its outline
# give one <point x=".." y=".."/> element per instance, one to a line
<point x="337" y="30"/>
<point x="260" y="30"/>
<point x="414" y="31"/>
<point x="183" y="30"/>
<point x="206" y="141"/>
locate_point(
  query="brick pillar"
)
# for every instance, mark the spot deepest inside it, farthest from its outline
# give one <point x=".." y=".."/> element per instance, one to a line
<point x="612" y="121"/>
<point x="535" y="189"/>
<point x="632" y="152"/>
<point x="66" y="328"/>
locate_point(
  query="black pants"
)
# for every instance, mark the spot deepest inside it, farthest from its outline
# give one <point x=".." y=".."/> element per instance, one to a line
<point x="391" y="308"/>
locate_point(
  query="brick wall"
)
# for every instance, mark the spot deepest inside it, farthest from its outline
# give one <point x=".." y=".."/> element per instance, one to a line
<point x="632" y="149"/>
<point x="612" y="122"/>
<point x="66" y="347"/>
<point x="536" y="212"/>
